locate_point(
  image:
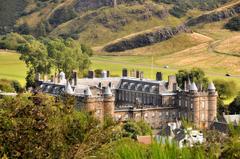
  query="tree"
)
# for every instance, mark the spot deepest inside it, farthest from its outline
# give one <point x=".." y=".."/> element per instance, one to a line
<point x="226" y="89"/>
<point x="220" y="107"/>
<point x="133" y="129"/>
<point x="86" y="49"/>
<point x="30" y="78"/>
<point x="35" y="55"/>
<point x="196" y="75"/>
<point x="67" y="55"/>
<point x="234" y="107"/>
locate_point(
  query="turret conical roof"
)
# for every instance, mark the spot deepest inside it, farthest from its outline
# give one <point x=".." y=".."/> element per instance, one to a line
<point x="87" y="92"/>
<point x="193" y="87"/>
<point x="107" y="92"/>
<point x="211" y="86"/>
<point x="68" y="88"/>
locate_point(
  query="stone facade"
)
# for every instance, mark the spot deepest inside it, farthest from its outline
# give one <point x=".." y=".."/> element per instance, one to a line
<point x="158" y="102"/>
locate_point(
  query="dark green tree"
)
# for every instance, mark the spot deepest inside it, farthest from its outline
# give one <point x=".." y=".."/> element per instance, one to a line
<point x="220" y="107"/>
<point x="234" y="107"/>
<point x="226" y="89"/>
<point x="196" y="75"/>
<point x="35" y="55"/>
<point x="67" y="55"/>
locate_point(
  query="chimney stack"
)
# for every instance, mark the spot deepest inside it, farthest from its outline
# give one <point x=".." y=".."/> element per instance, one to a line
<point x="74" y="77"/>
<point x="137" y="74"/>
<point x="159" y="76"/>
<point x="171" y="81"/>
<point x="91" y="74"/>
<point x="52" y="78"/>
<point x="104" y="74"/>
<point x="124" y="72"/>
<point x="38" y="77"/>
<point x="141" y="75"/>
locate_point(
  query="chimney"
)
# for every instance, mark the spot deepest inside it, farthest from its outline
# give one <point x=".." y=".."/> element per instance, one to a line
<point x="110" y="84"/>
<point x="38" y="77"/>
<point x="55" y="78"/>
<point x="108" y="73"/>
<point x="185" y="86"/>
<point x="171" y="81"/>
<point x="100" y="85"/>
<point x="132" y="73"/>
<point x="137" y="74"/>
<point x="159" y="76"/>
<point x="141" y="75"/>
<point x="175" y="87"/>
<point x="74" y="77"/>
<point x="124" y="72"/>
<point x="91" y="74"/>
<point x="104" y="74"/>
<point x="52" y="78"/>
<point x="45" y="77"/>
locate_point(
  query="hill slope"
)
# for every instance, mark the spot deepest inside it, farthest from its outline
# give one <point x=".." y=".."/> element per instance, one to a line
<point x="98" y="22"/>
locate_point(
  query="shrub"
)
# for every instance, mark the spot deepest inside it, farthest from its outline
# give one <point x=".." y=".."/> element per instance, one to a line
<point x="233" y="24"/>
<point x="12" y="41"/>
<point x="10" y="86"/>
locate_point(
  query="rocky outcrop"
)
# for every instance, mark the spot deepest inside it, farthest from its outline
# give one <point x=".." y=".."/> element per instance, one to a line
<point x="145" y="39"/>
<point x="215" y="16"/>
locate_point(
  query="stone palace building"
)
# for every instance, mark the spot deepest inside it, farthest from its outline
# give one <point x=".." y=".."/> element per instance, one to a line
<point x="158" y="102"/>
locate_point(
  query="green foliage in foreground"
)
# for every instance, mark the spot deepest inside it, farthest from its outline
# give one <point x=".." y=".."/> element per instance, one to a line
<point x="40" y="126"/>
<point x="10" y="86"/>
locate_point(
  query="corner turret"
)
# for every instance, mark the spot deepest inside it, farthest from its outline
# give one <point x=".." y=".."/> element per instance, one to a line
<point x="109" y="101"/>
<point x="193" y="88"/>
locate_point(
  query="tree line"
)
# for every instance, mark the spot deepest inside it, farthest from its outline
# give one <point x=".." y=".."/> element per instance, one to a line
<point x="44" y="55"/>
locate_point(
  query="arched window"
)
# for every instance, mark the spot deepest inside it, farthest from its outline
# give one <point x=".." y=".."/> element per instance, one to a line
<point x="131" y="86"/>
<point x="124" y="85"/>
<point x="138" y="87"/>
<point x="146" y="88"/>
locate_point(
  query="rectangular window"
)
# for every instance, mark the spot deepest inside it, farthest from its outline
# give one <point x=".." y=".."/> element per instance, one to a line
<point x="203" y="104"/>
<point x="202" y="116"/>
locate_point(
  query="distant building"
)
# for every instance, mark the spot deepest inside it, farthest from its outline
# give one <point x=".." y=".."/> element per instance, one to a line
<point x="158" y="102"/>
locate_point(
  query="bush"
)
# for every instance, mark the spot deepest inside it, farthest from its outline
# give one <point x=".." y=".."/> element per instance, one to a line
<point x="233" y="24"/>
<point x="12" y="41"/>
<point x="10" y="86"/>
<point x="133" y="129"/>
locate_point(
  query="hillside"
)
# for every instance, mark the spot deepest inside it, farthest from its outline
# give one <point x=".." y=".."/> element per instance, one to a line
<point x="98" y="22"/>
<point x="182" y="34"/>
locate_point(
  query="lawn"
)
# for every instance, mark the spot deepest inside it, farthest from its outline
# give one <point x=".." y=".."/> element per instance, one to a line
<point x="11" y="67"/>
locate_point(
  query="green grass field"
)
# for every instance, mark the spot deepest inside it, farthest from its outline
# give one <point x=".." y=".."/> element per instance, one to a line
<point x="11" y="67"/>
